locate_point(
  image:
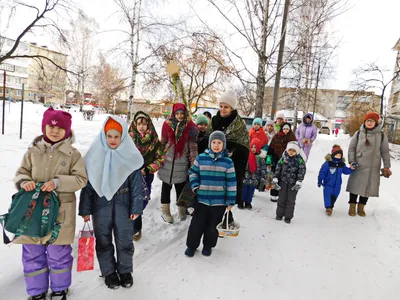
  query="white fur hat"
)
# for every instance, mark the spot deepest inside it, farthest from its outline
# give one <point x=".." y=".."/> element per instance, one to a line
<point x="280" y="114"/>
<point x="293" y="145"/>
<point x="230" y="98"/>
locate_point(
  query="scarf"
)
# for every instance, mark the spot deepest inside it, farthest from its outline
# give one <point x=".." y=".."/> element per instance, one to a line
<point x="148" y="142"/>
<point x="108" y="168"/>
<point x="253" y="156"/>
<point x="259" y="134"/>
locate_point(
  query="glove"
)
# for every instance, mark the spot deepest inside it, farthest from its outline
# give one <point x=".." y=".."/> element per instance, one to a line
<point x="386" y="172"/>
<point x="276" y="185"/>
<point x="297" y="186"/>
<point x="319" y="185"/>
<point x="263" y="154"/>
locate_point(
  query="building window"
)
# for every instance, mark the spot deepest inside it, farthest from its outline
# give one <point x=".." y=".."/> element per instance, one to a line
<point x="18" y="92"/>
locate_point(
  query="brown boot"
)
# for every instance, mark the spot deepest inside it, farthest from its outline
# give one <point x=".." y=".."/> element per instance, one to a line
<point x="352" y="209"/>
<point x="328" y="211"/>
<point x="360" y="210"/>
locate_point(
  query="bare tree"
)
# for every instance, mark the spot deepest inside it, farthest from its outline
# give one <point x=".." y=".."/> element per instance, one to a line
<point x="46" y="17"/>
<point x="372" y="77"/>
<point x="246" y="99"/>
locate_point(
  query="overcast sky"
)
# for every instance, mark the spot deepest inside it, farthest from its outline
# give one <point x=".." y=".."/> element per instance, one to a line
<point x="369" y="30"/>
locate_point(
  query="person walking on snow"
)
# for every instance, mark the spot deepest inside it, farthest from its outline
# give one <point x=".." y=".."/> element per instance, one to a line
<point x="52" y="159"/>
<point x="306" y="134"/>
<point x="145" y="137"/>
<point x="368" y="147"/>
<point x="330" y="177"/>
<point x="258" y="132"/>
<point x="114" y="197"/>
<point x="289" y="175"/>
<point x="213" y="179"/>
<point x="336" y="131"/>
<point x="179" y="139"/>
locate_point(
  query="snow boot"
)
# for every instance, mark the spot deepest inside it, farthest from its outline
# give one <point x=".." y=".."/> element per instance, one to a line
<point x="352" y="209"/>
<point x="166" y="213"/>
<point x="240" y="205"/>
<point x="328" y="211"/>
<point x="274" y="198"/>
<point x="278" y="218"/>
<point x="61" y="295"/>
<point x="38" y="297"/>
<point x="189" y="252"/>
<point x="248" y="205"/>
<point x="287" y="221"/>
<point x="360" y="210"/>
<point x="206" y="251"/>
<point x="112" y="281"/>
<point x="126" y="280"/>
<point x="182" y="213"/>
<point x="137" y="235"/>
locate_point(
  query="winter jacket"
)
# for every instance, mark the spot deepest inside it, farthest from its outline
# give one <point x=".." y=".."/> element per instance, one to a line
<point x="290" y="169"/>
<point x="277" y="127"/>
<point x="365" y="179"/>
<point x="44" y="162"/>
<point x="258" y="177"/>
<point x="202" y="142"/>
<point x="213" y="177"/>
<point x="330" y="174"/>
<point x="270" y="135"/>
<point x="306" y="131"/>
<point x="129" y="196"/>
<point x="261" y="135"/>
<point x="278" y="145"/>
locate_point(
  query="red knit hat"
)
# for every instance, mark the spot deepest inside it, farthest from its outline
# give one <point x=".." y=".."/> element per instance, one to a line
<point x="336" y="150"/>
<point x="372" y="116"/>
<point x="112" y="125"/>
<point x="58" y="118"/>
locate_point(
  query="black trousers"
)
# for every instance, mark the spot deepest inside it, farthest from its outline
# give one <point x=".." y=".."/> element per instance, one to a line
<point x="204" y="222"/>
<point x="286" y="201"/>
<point x="166" y="191"/>
<point x="353" y="199"/>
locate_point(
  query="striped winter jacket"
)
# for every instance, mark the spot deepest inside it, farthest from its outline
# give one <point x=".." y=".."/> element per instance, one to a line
<point x="213" y="176"/>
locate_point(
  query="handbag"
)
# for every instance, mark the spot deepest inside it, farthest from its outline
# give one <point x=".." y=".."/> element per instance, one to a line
<point x="85" y="260"/>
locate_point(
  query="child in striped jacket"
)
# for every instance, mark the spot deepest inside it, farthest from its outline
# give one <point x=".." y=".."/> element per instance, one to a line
<point x="213" y="179"/>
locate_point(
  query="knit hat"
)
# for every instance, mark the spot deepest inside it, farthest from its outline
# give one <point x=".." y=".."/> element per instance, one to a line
<point x="217" y="135"/>
<point x="112" y="125"/>
<point x="336" y="150"/>
<point x="270" y="122"/>
<point x="201" y="119"/>
<point x="257" y="121"/>
<point x="280" y="114"/>
<point x="372" y="116"/>
<point x="230" y="98"/>
<point x="257" y="142"/>
<point x="286" y="126"/>
<point x="58" y="118"/>
<point x="293" y="145"/>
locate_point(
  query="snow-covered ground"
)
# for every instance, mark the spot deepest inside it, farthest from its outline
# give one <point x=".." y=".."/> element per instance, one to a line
<point x="315" y="257"/>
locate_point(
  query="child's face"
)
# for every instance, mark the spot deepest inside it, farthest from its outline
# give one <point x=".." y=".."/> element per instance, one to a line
<point x="55" y="133"/>
<point x="180" y="115"/>
<point x="256" y="126"/>
<point x="202" y="127"/>
<point x="113" y="138"/>
<point x="279" y="121"/>
<point x="141" y="125"/>
<point x="254" y="148"/>
<point x="270" y="128"/>
<point x="338" y="156"/>
<point x="285" y="130"/>
<point x="292" y="152"/>
<point x="217" y="145"/>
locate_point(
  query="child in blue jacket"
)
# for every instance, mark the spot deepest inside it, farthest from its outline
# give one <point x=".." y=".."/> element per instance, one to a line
<point x="213" y="179"/>
<point x="330" y="176"/>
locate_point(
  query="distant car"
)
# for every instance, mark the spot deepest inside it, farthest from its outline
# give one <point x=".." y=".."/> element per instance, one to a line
<point x="73" y="108"/>
<point x="325" y="130"/>
<point x="249" y="122"/>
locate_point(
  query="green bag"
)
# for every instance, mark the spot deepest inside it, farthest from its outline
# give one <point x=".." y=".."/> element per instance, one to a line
<point x="33" y="214"/>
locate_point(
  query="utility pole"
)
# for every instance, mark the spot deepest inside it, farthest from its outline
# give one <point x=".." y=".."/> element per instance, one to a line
<point x="280" y="59"/>
<point x="4" y="102"/>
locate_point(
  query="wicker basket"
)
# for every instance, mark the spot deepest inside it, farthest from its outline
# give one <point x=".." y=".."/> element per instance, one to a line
<point x="231" y="230"/>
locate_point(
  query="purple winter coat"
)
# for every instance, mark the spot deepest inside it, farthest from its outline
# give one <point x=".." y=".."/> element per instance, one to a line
<point x="306" y="131"/>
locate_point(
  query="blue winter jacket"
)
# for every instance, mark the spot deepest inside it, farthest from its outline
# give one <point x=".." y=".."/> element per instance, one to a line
<point x="330" y="174"/>
<point x="129" y="195"/>
<point x="213" y="176"/>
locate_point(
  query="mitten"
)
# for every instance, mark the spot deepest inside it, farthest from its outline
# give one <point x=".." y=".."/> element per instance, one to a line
<point x="319" y="185"/>
<point x="276" y="185"/>
<point x="297" y="186"/>
<point x="263" y="154"/>
<point x="386" y="172"/>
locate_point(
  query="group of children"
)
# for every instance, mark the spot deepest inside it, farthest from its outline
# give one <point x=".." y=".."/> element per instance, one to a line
<point x="116" y="176"/>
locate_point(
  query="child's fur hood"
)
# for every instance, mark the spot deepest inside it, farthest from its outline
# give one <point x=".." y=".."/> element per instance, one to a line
<point x="328" y="157"/>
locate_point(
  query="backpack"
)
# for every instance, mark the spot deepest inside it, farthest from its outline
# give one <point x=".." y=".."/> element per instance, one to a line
<point x="33" y="214"/>
<point x="382" y="136"/>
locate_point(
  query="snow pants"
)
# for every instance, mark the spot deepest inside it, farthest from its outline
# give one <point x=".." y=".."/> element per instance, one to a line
<point x="166" y="191"/>
<point x="109" y="219"/>
<point x="286" y="201"/>
<point x="330" y="196"/>
<point x="138" y="222"/>
<point x="204" y="223"/>
<point x="248" y="193"/>
<point x="42" y="263"/>
<point x="307" y="150"/>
